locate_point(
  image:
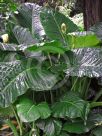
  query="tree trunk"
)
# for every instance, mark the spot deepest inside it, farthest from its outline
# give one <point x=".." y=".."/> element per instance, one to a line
<point x="92" y="12"/>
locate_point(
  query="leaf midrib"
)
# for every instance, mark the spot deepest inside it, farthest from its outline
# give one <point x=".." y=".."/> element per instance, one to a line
<point x="16" y="78"/>
<point x="74" y="106"/>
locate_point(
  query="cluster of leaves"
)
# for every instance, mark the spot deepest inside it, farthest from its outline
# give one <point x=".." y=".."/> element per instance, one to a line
<point x="45" y="74"/>
<point x="7" y="8"/>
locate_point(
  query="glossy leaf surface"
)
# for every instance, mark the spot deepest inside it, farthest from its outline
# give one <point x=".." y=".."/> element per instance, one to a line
<point x="29" y="112"/>
<point x="48" y="47"/>
<point x="71" y="106"/>
<point x="51" y="127"/>
<point x="52" y="21"/>
<point x="78" y="126"/>
<point x="85" y="62"/>
<point x="16" y="77"/>
<point x="82" y="39"/>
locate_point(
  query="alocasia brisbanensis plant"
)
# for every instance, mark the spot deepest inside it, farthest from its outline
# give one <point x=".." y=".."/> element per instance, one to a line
<point x="45" y="74"/>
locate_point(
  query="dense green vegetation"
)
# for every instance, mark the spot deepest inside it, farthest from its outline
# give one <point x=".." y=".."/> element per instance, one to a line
<point x="50" y="74"/>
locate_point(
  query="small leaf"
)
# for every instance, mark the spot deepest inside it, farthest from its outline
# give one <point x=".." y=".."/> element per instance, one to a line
<point x="27" y="111"/>
<point x="51" y="127"/>
<point x="44" y="110"/>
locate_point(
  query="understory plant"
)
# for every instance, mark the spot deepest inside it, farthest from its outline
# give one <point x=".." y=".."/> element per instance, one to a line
<point x="50" y="75"/>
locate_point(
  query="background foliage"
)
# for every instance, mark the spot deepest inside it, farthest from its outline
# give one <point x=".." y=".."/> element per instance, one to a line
<point x="47" y="71"/>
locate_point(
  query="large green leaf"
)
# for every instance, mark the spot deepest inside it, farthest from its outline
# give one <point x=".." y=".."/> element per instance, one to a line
<point x="52" y="21"/>
<point x="30" y="13"/>
<point x="71" y="106"/>
<point x="16" y="77"/>
<point x="85" y="62"/>
<point x="29" y="112"/>
<point x="48" y="47"/>
<point x="24" y="16"/>
<point x="79" y="127"/>
<point x="51" y="127"/>
<point x="97" y="131"/>
<point x="76" y="127"/>
<point x="82" y="39"/>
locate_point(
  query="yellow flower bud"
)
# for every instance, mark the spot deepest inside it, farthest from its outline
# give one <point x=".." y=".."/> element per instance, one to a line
<point x="63" y="28"/>
<point x="5" y="38"/>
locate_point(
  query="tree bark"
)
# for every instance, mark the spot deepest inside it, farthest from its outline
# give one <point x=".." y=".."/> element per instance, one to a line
<point x="92" y="12"/>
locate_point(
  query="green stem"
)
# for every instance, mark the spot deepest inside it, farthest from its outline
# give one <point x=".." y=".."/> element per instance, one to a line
<point x="33" y="96"/>
<point x="30" y="133"/>
<point x="50" y="59"/>
<point x="88" y="84"/>
<point x="74" y="83"/>
<point x="13" y="128"/>
<point x="18" y="121"/>
<point x="45" y="97"/>
<point x="52" y="99"/>
<point x="73" y="45"/>
<point x="95" y="104"/>
<point x="34" y="130"/>
<point x="83" y="88"/>
<point x="98" y="95"/>
<point x="58" y="57"/>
